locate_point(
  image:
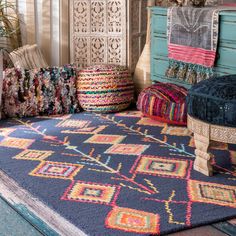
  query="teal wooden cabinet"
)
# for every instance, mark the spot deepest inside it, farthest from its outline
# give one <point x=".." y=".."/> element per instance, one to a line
<point x="226" y="52"/>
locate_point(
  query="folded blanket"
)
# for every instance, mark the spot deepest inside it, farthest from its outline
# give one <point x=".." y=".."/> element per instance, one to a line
<point x="192" y="42"/>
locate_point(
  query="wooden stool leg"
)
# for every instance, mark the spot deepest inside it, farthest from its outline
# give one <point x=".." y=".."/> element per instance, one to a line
<point x="202" y="161"/>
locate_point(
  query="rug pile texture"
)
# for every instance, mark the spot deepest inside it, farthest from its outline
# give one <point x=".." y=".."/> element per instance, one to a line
<point x="117" y="174"/>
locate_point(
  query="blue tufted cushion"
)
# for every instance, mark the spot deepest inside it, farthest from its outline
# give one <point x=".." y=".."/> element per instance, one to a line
<point x="214" y="100"/>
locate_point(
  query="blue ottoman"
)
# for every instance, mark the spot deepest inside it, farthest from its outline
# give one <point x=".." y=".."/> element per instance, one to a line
<point x="214" y="100"/>
<point x="211" y="106"/>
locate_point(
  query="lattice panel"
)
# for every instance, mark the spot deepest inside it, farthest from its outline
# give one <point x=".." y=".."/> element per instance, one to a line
<point x="98" y="16"/>
<point x="114" y="16"/>
<point x="100" y="31"/>
<point x="98" y="50"/>
<point x="81" y="16"/>
<point x="114" y="50"/>
<point x="81" y="49"/>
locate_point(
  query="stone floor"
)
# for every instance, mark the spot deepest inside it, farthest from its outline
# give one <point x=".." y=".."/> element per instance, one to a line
<point x="13" y="224"/>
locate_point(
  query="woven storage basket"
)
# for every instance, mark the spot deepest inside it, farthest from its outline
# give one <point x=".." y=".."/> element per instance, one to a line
<point x="105" y="88"/>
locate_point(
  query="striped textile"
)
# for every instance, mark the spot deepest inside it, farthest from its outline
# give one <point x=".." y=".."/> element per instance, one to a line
<point x="194" y="55"/>
<point x="28" y="57"/>
<point x="192" y="42"/>
<point x="193" y="32"/>
<point x="105" y="88"/>
<point x="164" y="102"/>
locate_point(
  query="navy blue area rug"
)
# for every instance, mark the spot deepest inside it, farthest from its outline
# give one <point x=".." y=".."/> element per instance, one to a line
<point x="115" y="174"/>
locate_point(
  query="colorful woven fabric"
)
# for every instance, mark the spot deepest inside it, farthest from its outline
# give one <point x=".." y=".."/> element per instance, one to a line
<point x="214" y="100"/>
<point x="19" y="94"/>
<point x="192" y="46"/>
<point x="105" y="88"/>
<point x="116" y="174"/>
<point x="40" y="91"/>
<point x="164" y="102"/>
<point x="56" y="90"/>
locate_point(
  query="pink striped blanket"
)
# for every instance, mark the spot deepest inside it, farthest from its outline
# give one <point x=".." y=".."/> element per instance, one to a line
<point x="192" y="42"/>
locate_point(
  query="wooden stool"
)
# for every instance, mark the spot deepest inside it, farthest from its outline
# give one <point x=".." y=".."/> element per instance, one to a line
<point x="204" y="133"/>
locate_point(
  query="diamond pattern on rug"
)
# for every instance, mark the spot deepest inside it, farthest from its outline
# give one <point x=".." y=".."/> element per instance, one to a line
<point x="33" y="155"/>
<point x="132" y="220"/>
<point x="175" y="130"/>
<point x="21" y="143"/>
<point x="129" y="114"/>
<point x="142" y="185"/>
<point x="105" y="139"/>
<point x="207" y="192"/>
<point x="150" y="122"/>
<point x="6" y="131"/>
<point x="86" y="130"/>
<point x="49" y="169"/>
<point x="72" y="123"/>
<point x="127" y="149"/>
<point x="154" y="165"/>
<point x="92" y="193"/>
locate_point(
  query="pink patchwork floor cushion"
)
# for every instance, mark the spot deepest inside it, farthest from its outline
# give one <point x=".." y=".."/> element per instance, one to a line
<point x="164" y="102"/>
<point x="105" y="88"/>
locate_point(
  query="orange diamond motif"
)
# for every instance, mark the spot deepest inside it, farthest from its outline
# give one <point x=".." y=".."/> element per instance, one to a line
<point x="72" y="123"/>
<point x="132" y="220"/>
<point x="127" y="149"/>
<point x="206" y="192"/>
<point x="33" y="155"/>
<point x="105" y="139"/>
<point x="6" y="131"/>
<point x="174" y="130"/>
<point x="50" y="169"/>
<point x="150" y="122"/>
<point x="154" y="165"/>
<point x="92" y="192"/>
<point x="21" y="143"/>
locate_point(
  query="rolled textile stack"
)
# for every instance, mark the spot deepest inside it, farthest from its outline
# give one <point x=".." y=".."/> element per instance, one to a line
<point x="47" y="91"/>
<point x="18" y="96"/>
<point x="56" y="90"/>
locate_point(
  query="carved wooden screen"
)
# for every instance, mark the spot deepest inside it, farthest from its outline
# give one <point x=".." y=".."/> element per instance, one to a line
<point x="101" y="30"/>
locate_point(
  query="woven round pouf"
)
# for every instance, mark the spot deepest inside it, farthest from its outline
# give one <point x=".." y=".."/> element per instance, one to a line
<point x="105" y="88"/>
<point x="164" y="102"/>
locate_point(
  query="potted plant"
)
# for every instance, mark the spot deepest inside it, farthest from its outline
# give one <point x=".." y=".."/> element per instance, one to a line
<point x="10" y="37"/>
<point x="9" y="26"/>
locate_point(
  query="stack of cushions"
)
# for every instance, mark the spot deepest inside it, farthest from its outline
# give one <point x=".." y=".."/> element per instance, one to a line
<point x="164" y="102"/>
<point x="105" y="88"/>
<point x="214" y="100"/>
<point x="26" y="57"/>
<point x="46" y="91"/>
